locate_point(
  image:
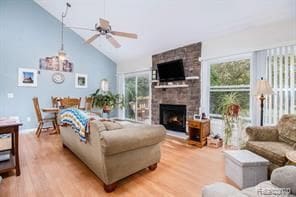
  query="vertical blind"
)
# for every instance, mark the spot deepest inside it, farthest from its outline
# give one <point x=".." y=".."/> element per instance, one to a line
<point x="281" y="73"/>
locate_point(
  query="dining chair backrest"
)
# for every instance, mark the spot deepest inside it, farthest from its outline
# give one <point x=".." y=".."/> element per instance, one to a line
<point x="88" y="103"/>
<point x="55" y="101"/>
<point x="70" y="102"/>
<point x="37" y="109"/>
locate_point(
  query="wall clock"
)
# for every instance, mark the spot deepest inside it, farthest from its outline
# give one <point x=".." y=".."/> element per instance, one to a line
<point x="58" y="78"/>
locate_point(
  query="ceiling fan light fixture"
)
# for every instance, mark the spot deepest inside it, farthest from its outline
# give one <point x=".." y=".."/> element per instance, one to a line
<point x="62" y="53"/>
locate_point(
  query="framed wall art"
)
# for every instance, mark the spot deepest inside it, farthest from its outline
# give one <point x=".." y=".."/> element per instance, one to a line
<point x="27" y="77"/>
<point x="80" y="80"/>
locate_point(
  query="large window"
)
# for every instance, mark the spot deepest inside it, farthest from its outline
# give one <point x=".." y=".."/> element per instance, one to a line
<point x="137" y="97"/>
<point x="231" y="77"/>
<point x="281" y="73"/>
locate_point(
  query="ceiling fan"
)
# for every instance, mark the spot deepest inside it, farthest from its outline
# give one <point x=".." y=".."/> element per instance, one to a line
<point x="103" y="28"/>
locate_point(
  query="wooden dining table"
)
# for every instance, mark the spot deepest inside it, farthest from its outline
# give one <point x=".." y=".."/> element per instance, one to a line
<point x="54" y="111"/>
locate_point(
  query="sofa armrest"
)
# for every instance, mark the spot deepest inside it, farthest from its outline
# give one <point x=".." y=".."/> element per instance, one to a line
<point x="266" y="133"/>
<point x="121" y="140"/>
<point x="221" y="189"/>
<point x="289" y="172"/>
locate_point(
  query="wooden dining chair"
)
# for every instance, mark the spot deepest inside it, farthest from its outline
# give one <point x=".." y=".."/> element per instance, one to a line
<point x="40" y="119"/>
<point x="70" y="102"/>
<point x="55" y="101"/>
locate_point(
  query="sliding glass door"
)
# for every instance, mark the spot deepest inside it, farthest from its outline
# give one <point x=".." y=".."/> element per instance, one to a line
<point x="130" y="98"/>
<point x="137" y="97"/>
<point x="143" y="98"/>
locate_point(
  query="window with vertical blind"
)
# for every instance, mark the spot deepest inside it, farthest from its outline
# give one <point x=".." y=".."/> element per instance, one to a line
<point x="281" y="74"/>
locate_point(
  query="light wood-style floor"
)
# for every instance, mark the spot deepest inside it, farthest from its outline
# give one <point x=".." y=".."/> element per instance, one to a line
<point x="47" y="169"/>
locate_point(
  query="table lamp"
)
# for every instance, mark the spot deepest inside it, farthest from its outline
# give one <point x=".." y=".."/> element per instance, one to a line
<point x="263" y="89"/>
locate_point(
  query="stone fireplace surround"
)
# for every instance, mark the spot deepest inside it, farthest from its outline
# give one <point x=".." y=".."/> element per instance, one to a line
<point x="189" y="96"/>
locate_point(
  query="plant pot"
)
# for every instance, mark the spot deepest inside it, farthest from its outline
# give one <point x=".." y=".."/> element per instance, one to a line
<point x="233" y="110"/>
<point x="230" y="147"/>
<point x="106" y="109"/>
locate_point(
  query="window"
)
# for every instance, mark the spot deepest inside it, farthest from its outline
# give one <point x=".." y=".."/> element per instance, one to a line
<point x="137" y="97"/>
<point x="230" y="77"/>
<point x="281" y="74"/>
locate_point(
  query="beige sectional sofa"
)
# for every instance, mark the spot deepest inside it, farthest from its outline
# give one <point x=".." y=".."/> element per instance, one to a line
<point x="115" y="154"/>
<point x="282" y="184"/>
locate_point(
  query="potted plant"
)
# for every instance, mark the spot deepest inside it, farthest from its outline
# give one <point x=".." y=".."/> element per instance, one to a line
<point x="229" y="108"/>
<point x="106" y="100"/>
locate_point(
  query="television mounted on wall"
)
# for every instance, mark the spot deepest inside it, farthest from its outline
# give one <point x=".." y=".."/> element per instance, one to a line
<point x="171" y="71"/>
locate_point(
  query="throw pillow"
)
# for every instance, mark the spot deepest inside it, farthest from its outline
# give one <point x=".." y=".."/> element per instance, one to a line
<point x="112" y="125"/>
<point x="287" y="129"/>
<point x="97" y="126"/>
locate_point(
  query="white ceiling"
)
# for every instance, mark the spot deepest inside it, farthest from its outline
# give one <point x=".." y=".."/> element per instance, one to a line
<point x="166" y="24"/>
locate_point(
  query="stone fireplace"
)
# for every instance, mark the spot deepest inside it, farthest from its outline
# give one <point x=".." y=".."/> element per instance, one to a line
<point x="185" y="96"/>
<point x="173" y="117"/>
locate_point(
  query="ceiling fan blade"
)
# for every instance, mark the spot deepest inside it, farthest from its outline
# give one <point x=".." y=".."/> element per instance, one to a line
<point x="92" y="38"/>
<point x="123" y="34"/>
<point x="104" y="23"/>
<point x="82" y="28"/>
<point x="113" y="41"/>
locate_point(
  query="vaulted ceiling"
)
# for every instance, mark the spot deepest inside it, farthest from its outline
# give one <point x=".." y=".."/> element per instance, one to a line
<point x="166" y="24"/>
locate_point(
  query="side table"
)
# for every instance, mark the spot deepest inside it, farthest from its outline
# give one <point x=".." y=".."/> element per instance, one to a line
<point x="198" y="131"/>
<point x="291" y="156"/>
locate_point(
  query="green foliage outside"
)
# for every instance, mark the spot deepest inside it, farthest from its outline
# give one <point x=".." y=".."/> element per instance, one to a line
<point x="232" y="73"/>
<point x="130" y="97"/>
<point x="130" y="93"/>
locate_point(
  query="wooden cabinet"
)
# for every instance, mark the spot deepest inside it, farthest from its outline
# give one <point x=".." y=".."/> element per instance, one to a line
<point x="198" y="131"/>
<point x="11" y="127"/>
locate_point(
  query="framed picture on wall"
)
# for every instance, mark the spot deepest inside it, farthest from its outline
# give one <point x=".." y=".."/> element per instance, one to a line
<point x="80" y="80"/>
<point x="27" y="77"/>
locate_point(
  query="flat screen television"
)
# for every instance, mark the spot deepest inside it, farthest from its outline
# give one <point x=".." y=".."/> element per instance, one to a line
<point x="171" y="71"/>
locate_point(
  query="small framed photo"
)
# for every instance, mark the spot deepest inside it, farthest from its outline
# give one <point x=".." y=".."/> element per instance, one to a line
<point x="80" y="80"/>
<point x="27" y="77"/>
<point x="154" y="74"/>
<point x="196" y="117"/>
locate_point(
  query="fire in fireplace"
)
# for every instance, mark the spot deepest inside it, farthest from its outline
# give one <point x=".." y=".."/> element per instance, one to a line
<point x="173" y="117"/>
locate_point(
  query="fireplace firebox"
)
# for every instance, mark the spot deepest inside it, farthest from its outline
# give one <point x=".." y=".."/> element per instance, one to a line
<point x="173" y="117"/>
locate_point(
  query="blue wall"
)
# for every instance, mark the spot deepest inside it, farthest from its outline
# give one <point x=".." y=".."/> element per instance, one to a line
<point x="28" y="32"/>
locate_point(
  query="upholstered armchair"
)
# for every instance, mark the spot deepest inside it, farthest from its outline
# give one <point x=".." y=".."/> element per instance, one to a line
<point x="273" y="142"/>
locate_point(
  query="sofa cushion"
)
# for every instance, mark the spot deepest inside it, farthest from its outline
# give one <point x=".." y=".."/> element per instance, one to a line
<point x="266" y="133"/>
<point x="287" y="129"/>
<point x="112" y="125"/>
<point x="262" y="189"/>
<point x="272" y="151"/>
<point x="285" y="177"/>
<point x="221" y="189"/>
<point x="121" y="140"/>
<point x="96" y="126"/>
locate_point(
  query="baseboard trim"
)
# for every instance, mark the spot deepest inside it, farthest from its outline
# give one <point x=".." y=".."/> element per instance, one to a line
<point x="28" y="130"/>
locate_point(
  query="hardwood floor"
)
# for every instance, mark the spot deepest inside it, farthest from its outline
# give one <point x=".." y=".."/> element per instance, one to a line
<point x="47" y="169"/>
